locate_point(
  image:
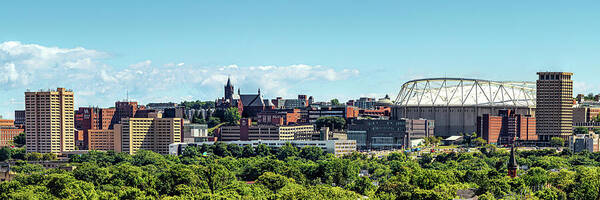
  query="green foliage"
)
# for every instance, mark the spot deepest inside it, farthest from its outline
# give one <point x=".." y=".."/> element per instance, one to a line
<point x="19" y="140"/>
<point x="213" y="121"/>
<point x="480" y="142"/>
<point x="331" y="122"/>
<point x="286" y="151"/>
<point x="307" y="173"/>
<point x="580" y="130"/>
<point x="232" y="116"/>
<point x="557" y="141"/>
<point x="5" y="153"/>
<point x="198" y="104"/>
<point x="335" y="102"/>
<point x="273" y="181"/>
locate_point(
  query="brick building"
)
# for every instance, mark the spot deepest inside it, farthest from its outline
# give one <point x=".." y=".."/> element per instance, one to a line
<point x="506" y="127"/>
<point x="280" y="117"/>
<point x="246" y="131"/>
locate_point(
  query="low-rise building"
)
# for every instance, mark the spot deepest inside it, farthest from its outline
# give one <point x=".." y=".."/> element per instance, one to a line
<point x="336" y="147"/>
<point x="388" y="134"/>
<point x="346" y="112"/>
<point x="195" y="133"/>
<point x="7" y="135"/>
<point x="585" y="114"/>
<point x="247" y="131"/>
<point x="279" y="117"/>
<point x="584" y="142"/>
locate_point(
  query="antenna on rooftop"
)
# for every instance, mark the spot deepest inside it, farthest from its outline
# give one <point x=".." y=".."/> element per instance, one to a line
<point x="127" y="95"/>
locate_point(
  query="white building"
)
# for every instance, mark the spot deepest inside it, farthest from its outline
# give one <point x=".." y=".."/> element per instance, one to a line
<point x="336" y="147"/>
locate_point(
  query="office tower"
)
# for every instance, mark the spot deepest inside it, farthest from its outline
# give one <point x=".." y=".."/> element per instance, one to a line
<point x="554" y="105"/>
<point x="154" y="134"/>
<point x="49" y="121"/>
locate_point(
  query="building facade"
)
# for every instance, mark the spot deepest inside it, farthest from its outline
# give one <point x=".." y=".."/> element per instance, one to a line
<point x="585" y="114"/>
<point x="246" y="131"/>
<point x="92" y="118"/>
<point x="50" y="121"/>
<point x="388" y="134"/>
<point x="7" y="135"/>
<point x="101" y="139"/>
<point x="153" y="134"/>
<point x="20" y="118"/>
<point x="346" y="112"/>
<point x="554" y="105"/>
<point x="506" y="127"/>
<point x="335" y="147"/>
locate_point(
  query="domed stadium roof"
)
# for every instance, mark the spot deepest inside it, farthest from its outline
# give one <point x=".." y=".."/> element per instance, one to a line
<point x="466" y="92"/>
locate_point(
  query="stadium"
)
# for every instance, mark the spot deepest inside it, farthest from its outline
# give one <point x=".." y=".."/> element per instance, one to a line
<point x="455" y="103"/>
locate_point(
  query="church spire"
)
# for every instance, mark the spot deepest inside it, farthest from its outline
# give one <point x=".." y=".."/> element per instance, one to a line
<point x="228" y="81"/>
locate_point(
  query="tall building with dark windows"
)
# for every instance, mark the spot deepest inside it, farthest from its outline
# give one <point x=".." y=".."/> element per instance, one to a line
<point x="554" y="105"/>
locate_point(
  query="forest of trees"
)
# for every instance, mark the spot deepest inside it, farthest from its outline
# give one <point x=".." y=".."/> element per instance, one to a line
<point x="233" y="172"/>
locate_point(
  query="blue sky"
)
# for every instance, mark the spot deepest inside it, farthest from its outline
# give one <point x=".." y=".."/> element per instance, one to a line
<point x="173" y="51"/>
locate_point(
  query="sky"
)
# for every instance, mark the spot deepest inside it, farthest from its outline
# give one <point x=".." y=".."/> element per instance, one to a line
<point x="185" y="50"/>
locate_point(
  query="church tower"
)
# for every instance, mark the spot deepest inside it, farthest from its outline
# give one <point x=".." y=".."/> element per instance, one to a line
<point x="512" y="163"/>
<point x="229" y="90"/>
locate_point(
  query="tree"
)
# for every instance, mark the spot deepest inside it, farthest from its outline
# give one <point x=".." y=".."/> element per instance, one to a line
<point x="232" y="116"/>
<point x="213" y="121"/>
<point x="220" y="149"/>
<point x="580" y="130"/>
<point x="235" y="150"/>
<point x="286" y="151"/>
<point x="19" y="140"/>
<point x="273" y="181"/>
<point x="480" y="142"/>
<point x="248" y="151"/>
<point x="335" y="102"/>
<point x="363" y="185"/>
<point x="331" y="122"/>
<point x="34" y="156"/>
<point x="5" y="153"/>
<point x="263" y="150"/>
<point x="311" y="153"/>
<point x="217" y="177"/>
<point x="557" y="141"/>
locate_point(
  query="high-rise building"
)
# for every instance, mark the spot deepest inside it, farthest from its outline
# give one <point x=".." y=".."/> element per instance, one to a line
<point x="154" y="134"/>
<point x="554" y="105"/>
<point x="49" y="121"/>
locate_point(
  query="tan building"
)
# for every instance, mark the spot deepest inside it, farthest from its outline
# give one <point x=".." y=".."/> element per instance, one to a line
<point x="246" y="131"/>
<point x="554" y="105"/>
<point x="49" y="121"/>
<point x="154" y="134"/>
<point x="103" y="139"/>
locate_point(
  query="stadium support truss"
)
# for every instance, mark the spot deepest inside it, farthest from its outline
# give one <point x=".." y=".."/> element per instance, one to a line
<point x="466" y="92"/>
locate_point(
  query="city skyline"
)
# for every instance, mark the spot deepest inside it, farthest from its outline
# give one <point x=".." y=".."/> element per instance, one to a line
<point x="161" y="53"/>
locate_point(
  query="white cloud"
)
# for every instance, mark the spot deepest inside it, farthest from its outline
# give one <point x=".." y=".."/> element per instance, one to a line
<point x="141" y="65"/>
<point x="35" y="67"/>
